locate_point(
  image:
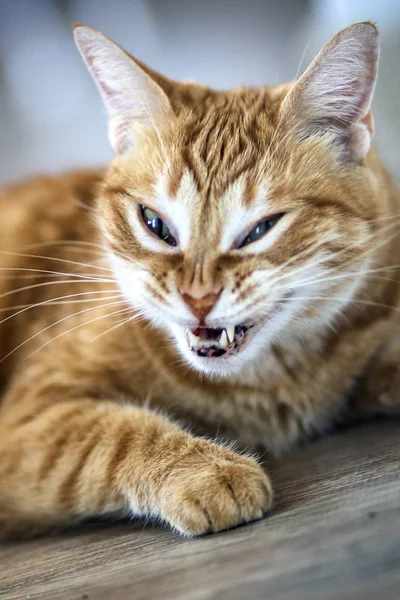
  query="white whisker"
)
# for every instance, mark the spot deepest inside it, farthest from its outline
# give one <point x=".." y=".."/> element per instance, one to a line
<point x="97" y="307"/>
<point x="51" y="301"/>
<point x="135" y="317"/>
<point x="49" y="283"/>
<point x="63" y="260"/>
<point x="49" y="272"/>
<point x="63" y="333"/>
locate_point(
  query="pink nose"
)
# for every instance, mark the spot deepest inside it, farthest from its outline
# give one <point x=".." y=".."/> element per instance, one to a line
<point x="200" y="306"/>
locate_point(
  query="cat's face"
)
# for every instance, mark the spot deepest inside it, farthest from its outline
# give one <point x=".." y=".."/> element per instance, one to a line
<point x="236" y="219"/>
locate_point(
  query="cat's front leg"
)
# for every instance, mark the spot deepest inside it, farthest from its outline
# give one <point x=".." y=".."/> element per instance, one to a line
<point x="62" y="461"/>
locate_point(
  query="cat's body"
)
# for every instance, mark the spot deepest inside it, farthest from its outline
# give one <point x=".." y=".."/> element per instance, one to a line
<point x="83" y="382"/>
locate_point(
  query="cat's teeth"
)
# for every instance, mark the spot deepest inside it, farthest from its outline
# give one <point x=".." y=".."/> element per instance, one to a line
<point x="193" y="339"/>
<point x="230" y="332"/>
<point x="223" y="340"/>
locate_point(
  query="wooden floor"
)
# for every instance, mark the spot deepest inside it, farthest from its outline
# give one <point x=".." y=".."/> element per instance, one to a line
<point x="333" y="535"/>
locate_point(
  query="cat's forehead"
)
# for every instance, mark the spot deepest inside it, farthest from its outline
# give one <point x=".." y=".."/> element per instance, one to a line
<point x="243" y="194"/>
<point x="222" y="140"/>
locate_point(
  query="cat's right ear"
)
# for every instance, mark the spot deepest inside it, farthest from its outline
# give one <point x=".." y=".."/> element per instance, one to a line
<point x="333" y="96"/>
<point x="130" y="95"/>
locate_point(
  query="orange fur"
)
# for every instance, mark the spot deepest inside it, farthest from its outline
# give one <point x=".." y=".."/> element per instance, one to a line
<point x="88" y="383"/>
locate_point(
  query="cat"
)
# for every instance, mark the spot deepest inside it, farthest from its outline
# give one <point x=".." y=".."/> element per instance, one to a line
<point x="234" y="267"/>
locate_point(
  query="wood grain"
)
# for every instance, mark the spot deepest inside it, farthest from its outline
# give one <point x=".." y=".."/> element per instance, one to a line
<point x="333" y="535"/>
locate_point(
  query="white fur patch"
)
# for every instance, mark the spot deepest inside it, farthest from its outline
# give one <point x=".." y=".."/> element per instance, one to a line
<point x="180" y="210"/>
<point x="241" y="219"/>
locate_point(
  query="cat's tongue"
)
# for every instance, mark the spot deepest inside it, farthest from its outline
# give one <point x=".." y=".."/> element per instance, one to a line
<point x="214" y="342"/>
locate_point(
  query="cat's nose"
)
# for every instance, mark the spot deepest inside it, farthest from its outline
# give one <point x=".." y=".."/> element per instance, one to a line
<point x="201" y="305"/>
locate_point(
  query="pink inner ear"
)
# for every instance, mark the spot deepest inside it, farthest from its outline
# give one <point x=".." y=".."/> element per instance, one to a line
<point x="108" y="93"/>
<point x="118" y="113"/>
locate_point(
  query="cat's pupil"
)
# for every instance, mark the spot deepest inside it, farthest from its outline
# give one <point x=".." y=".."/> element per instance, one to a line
<point x="157" y="225"/>
<point x="260" y="230"/>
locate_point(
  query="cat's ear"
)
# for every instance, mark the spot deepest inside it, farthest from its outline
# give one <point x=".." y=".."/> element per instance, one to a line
<point x="130" y="95"/>
<point x="333" y="96"/>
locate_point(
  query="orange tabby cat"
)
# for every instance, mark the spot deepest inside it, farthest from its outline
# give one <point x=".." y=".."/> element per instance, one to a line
<point x="235" y="266"/>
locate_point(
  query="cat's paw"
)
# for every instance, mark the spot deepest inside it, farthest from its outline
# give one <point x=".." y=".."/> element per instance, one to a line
<point x="216" y="492"/>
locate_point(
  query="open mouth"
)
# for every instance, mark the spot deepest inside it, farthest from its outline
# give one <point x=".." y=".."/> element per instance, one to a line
<point x="213" y="342"/>
<point x="216" y="342"/>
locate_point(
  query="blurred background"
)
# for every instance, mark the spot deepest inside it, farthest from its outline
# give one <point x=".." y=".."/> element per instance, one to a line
<point x="51" y="116"/>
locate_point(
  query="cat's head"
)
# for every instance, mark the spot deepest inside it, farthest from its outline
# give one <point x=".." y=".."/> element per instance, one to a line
<point x="238" y="218"/>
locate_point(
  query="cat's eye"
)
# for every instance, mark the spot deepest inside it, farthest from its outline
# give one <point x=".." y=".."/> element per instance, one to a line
<point x="156" y="225"/>
<point x="260" y="230"/>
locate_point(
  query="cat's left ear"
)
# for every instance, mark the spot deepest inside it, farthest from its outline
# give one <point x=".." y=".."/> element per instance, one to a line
<point x="131" y="96"/>
<point x="333" y="96"/>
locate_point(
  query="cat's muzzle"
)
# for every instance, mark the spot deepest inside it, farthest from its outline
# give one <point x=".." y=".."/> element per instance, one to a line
<point x="215" y="342"/>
